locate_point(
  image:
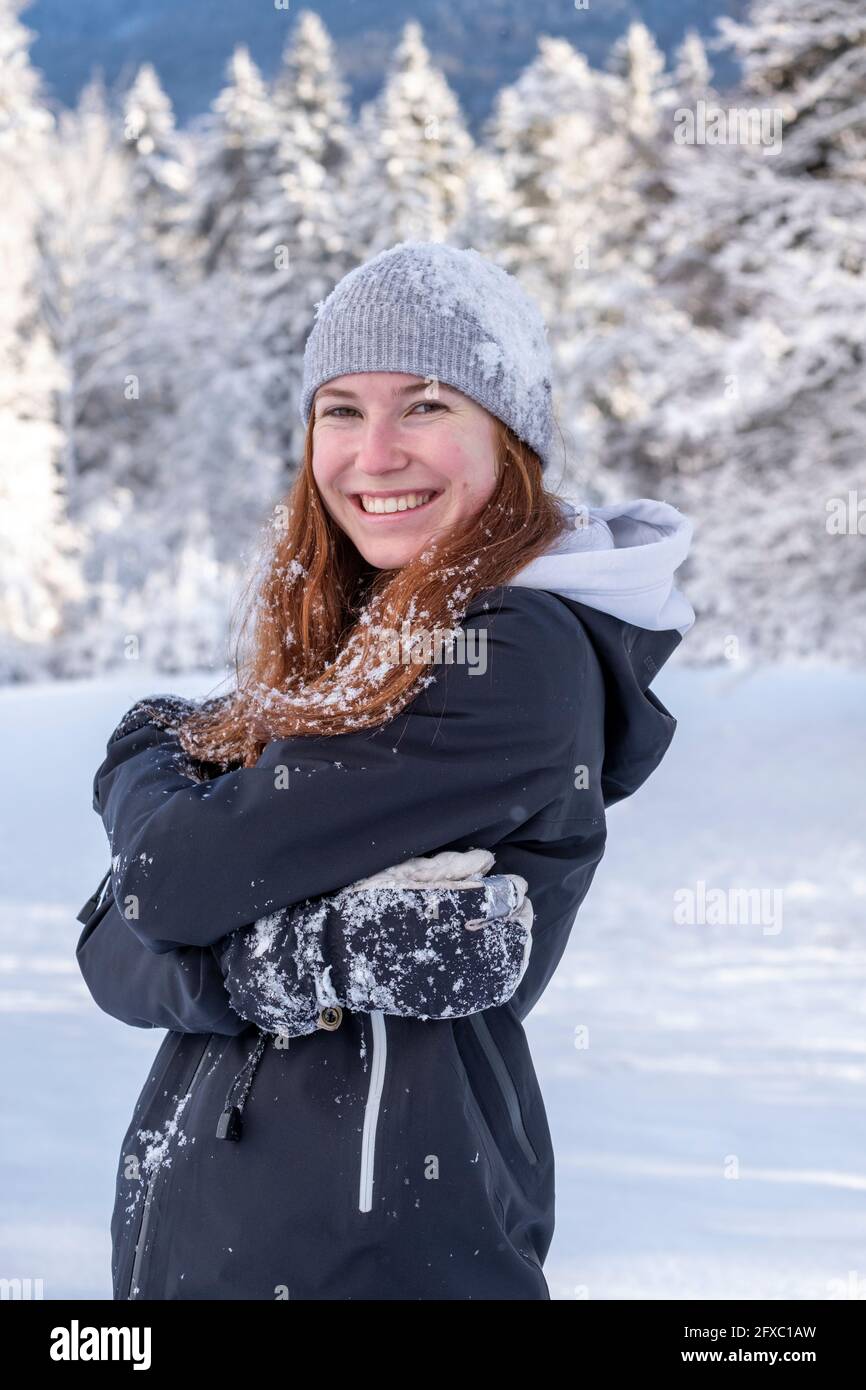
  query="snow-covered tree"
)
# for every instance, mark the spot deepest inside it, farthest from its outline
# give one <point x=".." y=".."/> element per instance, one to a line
<point x="38" y="546"/>
<point x="781" y="429"/>
<point x="157" y="401"/>
<point x="544" y="144"/>
<point x="692" y="72"/>
<point x="312" y="98"/>
<point x="639" y="63"/>
<point x="583" y="159"/>
<point x="186" y="475"/>
<point x="24" y="117"/>
<point x="297" y="240"/>
<point x="162" y="174"/>
<point x="39" y="549"/>
<point x="761" y="435"/>
<point x="808" y="59"/>
<point x="236" y="146"/>
<point x="414" y="155"/>
<point x="91" y="297"/>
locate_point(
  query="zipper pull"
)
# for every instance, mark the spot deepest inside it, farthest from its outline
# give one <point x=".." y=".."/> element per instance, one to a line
<point x="229" y="1126"/>
<point x="229" y="1123"/>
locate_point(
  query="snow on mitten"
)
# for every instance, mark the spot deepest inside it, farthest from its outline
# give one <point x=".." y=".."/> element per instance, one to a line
<point x="429" y="938"/>
<point x="163" y="711"/>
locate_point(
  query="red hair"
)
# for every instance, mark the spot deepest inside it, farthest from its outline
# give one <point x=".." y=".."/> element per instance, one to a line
<point x="319" y="608"/>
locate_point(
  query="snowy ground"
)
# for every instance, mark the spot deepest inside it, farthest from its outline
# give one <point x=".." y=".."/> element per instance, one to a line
<point x="710" y="1140"/>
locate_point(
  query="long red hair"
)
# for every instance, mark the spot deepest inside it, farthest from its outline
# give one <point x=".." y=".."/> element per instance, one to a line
<point x="314" y="609"/>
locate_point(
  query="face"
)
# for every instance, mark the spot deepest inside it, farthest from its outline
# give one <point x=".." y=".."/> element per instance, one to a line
<point x="398" y="461"/>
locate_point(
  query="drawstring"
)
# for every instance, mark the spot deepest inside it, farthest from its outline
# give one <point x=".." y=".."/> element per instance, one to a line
<point x="229" y="1126"/>
<point x="94" y="900"/>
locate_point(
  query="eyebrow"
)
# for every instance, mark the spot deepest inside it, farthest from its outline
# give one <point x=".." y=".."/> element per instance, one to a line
<point x="396" y="392"/>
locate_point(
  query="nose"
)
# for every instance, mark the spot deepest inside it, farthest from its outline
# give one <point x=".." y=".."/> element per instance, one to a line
<point x="378" y="448"/>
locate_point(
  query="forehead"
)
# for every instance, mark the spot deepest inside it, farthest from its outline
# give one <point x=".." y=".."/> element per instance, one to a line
<point x="379" y="385"/>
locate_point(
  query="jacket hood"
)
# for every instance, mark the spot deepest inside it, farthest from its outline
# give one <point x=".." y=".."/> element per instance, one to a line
<point x="615" y="570"/>
<point x="620" y="559"/>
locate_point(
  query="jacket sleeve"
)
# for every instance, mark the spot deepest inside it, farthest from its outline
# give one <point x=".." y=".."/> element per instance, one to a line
<point x="410" y="951"/>
<point x="473" y="759"/>
<point x="183" y="990"/>
<point x="556" y="907"/>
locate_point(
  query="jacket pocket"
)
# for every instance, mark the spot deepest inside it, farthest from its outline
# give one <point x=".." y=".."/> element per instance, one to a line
<point x="498" y="1191"/>
<point x="505" y="1085"/>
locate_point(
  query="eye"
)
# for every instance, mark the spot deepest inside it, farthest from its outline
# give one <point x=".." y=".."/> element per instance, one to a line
<point x="335" y="409"/>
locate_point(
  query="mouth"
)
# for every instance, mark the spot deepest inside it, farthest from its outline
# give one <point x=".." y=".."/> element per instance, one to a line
<point x="392" y="506"/>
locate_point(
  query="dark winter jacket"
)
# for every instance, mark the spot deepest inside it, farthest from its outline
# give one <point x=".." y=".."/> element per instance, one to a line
<point x="382" y="1156"/>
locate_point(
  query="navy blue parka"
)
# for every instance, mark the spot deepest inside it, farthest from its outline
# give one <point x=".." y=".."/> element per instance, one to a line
<point x="380" y="1157"/>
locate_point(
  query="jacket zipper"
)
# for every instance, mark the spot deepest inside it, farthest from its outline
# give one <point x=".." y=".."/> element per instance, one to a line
<point x="149" y="1190"/>
<point x="371" y="1109"/>
<point x="506" y="1085"/>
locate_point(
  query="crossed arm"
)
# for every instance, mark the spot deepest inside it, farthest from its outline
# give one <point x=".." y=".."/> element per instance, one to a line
<point x="470" y="760"/>
<point x="422" y="951"/>
<point x="195" y="862"/>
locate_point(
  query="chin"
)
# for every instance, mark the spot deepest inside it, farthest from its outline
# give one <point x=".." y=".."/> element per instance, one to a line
<point x="389" y="557"/>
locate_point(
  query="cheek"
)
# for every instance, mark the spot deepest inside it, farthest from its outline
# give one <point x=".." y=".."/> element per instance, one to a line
<point x="463" y="454"/>
<point x="325" y="463"/>
<point x="474" y="474"/>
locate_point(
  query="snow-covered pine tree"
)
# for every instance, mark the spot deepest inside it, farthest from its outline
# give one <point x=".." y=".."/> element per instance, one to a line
<point x="39" y="548"/>
<point x="639" y="63"/>
<point x="162" y="172"/>
<point x="692" y="73"/>
<point x="781" y="430"/>
<point x="91" y="291"/>
<point x="543" y="151"/>
<point x="585" y="156"/>
<point x="770" y="261"/>
<point x="185" y="482"/>
<point x="297" y="242"/>
<point x="158" y="405"/>
<point x="414" y="155"/>
<point x="235" y="149"/>
<point x="808" y="59"/>
<point x="525" y="203"/>
<point x="312" y="98"/>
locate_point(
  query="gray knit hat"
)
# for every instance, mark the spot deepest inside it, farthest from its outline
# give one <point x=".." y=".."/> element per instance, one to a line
<point x="437" y="311"/>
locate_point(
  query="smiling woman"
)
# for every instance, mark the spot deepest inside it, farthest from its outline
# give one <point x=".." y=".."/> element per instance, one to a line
<point x="427" y="403"/>
<point x="397" y="1147"/>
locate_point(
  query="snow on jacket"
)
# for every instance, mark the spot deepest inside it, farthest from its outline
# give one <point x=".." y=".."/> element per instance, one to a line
<point x="381" y="1156"/>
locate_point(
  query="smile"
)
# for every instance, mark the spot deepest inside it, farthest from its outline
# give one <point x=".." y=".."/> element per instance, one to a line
<point x="396" y="504"/>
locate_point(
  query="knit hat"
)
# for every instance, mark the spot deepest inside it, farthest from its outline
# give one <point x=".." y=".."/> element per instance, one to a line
<point x="437" y="311"/>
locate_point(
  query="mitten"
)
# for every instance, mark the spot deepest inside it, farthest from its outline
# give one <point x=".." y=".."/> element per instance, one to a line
<point x="430" y="938"/>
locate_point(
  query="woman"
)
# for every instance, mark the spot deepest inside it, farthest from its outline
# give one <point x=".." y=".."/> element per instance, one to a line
<point x="398" y="1147"/>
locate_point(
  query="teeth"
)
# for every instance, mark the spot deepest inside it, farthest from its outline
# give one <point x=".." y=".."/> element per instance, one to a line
<point x="395" y="504"/>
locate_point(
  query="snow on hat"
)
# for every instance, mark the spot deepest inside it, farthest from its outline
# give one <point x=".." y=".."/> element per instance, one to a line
<point x="437" y="311"/>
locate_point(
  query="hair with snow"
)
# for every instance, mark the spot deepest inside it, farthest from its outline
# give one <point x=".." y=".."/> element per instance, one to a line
<point x="318" y="608"/>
